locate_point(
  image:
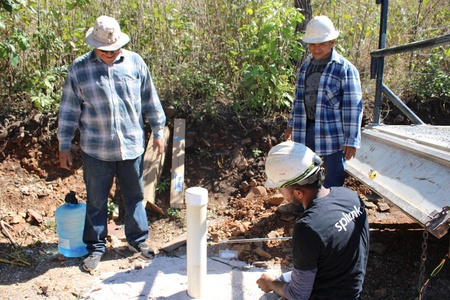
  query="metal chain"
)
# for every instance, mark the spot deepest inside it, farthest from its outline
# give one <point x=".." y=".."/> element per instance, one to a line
<point x="423" y="259"/>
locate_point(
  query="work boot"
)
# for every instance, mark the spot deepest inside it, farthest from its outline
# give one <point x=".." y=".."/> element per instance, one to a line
<point x="90" y="263"/>
<point x="146" y="250"/>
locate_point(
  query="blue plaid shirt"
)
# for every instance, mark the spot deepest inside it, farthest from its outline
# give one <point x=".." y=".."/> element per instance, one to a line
<point x="338" y="110"/>
<point x="106" y="103"/>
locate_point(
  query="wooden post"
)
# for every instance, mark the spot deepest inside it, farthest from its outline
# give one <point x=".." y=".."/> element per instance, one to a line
<point x="153" y="166"/>
<point x="177" y="181"/>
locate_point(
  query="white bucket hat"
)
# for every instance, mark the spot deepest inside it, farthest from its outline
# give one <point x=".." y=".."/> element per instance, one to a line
<point x="319" y="30"/>
<point x="106" y="35"/>
<point x="291" y="163"/>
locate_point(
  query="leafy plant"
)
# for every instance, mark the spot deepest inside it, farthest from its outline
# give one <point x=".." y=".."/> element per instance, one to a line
<point x="163" y="185"/>
<point x="173" y="212"/>
<point x="268" y="71"/>
<point x="434" y="80"/>
<point x="210" y="54"/>
<point x="256" y="152"/>
<point x="176" y="214"/>
<point x="17" y="40"/>
<point x="203" y="153"/>
<point x="44" y="92"/>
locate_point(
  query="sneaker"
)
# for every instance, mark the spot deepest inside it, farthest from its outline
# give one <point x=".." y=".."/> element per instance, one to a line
<point x="91" y="262"/>
<point x="146" y="250"/>
<point x="290" y="208"/>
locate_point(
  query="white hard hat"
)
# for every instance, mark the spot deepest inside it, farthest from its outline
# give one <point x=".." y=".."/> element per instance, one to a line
<point x="289" y="163"/>
<point x="319" y="30"/>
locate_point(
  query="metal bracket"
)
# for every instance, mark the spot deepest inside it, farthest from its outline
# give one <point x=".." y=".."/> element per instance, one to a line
<point x="440" y="222"/>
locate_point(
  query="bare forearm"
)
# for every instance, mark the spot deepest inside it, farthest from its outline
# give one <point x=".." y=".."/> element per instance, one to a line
<point x="267" y="284"/>
<point x="277" y="287"/>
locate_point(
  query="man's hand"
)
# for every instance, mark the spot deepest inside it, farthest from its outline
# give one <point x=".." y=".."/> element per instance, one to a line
<point x="288" y="133"/>
<point x="65" y="159"/>
<point x="264" y="282"/>
<point x="158" y="145"/>
<point x="268" y="283"/>
<point x="349" y="152"/>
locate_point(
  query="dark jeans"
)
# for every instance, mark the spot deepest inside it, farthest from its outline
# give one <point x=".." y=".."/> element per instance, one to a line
<point x="334" y="163"/>
<point x="98" y="176"/>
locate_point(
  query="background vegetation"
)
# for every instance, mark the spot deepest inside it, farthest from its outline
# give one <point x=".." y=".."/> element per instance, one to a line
<point x="209" y="54"/>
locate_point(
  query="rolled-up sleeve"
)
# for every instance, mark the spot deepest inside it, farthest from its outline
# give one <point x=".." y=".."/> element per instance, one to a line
<point x="301" y="284"/>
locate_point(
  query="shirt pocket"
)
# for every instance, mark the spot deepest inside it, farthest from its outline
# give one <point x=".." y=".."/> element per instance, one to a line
<point x="129" y="88"/>
<point x="333" y="95"/>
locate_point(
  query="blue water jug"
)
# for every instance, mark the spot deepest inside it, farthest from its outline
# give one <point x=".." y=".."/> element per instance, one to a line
<point x="70" y="225"/>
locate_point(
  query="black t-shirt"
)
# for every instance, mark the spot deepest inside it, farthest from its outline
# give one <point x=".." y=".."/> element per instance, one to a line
<point x="333" y="236"/>
<point x="312" y="79"/>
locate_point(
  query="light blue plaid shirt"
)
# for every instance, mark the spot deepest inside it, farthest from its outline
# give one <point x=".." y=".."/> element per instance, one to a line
<point x="338" y="110"/>
<point x="106" y="103"/>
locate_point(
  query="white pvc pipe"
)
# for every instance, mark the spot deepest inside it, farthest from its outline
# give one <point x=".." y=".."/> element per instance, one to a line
<point x="196" y="208"/>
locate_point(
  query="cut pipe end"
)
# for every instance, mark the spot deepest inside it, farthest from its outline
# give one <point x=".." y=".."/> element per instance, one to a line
<point x="196" y="196"/>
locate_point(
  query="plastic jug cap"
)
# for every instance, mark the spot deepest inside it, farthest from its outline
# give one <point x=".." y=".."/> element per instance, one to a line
<point x="71" y="198"/>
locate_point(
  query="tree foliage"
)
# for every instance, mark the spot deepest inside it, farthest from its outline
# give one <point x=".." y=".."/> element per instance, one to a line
<point x="204" y="54"/>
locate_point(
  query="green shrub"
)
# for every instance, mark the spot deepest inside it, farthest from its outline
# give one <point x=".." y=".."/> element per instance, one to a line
<point x="203" y="55"/>
<point x="163" y="185"/>
<point x="434" y="78"/>
<point x="272" y="49"/>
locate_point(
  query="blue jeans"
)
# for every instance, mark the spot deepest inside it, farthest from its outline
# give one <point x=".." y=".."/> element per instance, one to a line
<point x="334" y="163"/>
<point x="99" y="176"/>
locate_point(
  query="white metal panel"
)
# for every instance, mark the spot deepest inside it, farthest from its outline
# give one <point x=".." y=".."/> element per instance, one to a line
<point x="412" y="165"/>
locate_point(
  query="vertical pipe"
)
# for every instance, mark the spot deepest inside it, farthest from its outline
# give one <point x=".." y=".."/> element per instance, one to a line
<point x="196" y="205"/>
<point x="380" y="60"/>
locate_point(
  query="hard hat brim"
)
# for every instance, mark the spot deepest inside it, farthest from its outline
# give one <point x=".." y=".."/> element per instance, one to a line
<point x="270" y="184"/>
<point x="332" y="36"/>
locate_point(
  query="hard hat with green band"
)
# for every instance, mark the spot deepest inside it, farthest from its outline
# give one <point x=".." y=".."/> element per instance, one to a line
<point x="305" y="176"/>
<point x="291" y="163"/>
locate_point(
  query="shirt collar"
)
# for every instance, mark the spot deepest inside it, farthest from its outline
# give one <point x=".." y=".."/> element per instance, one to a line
<point x="334" y="55"/>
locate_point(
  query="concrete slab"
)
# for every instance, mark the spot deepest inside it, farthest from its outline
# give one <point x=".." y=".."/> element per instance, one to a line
<point x="165" y="278"/>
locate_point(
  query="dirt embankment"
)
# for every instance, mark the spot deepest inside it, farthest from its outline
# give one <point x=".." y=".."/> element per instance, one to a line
<point x="225" y="157"/>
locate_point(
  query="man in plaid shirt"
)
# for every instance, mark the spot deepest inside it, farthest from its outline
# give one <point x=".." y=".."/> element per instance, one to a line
<point x="327" y="110"/>
<point x="106" y="94"/>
